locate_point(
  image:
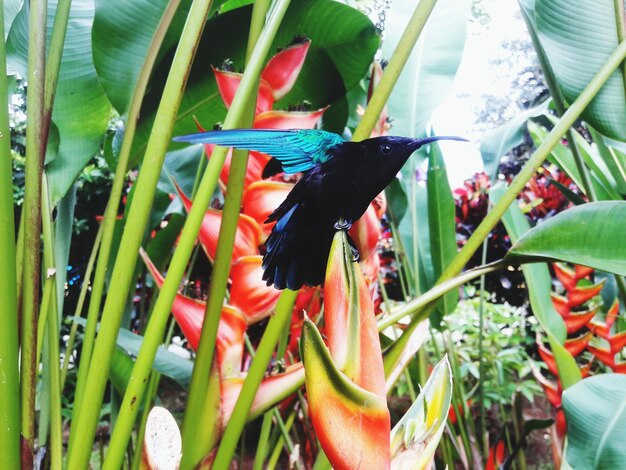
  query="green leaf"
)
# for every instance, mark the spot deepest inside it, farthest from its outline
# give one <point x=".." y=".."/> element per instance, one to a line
<point x="81" y="109"/>
<point x="343" y="44"/>
<point x="166" y="362"/>
<point x="429" y="73"/>
<point x="614" y="160"/>
<point x="578" y="38"/>
<point x="590" y="234"/>
<point x="496" y="143"/>
<point x="122" y="33"/>
<point x="595" y="410"/>
<point x="442" y="227"/>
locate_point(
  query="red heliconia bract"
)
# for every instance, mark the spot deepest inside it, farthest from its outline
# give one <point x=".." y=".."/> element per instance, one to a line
<point x="249" y="292"/>
<point x="247" y="238"/>
<point x="366" y="231"/>
<point x="283" y="69"/>
<point x="261" y="198"/>
<point x="228" y="82"/>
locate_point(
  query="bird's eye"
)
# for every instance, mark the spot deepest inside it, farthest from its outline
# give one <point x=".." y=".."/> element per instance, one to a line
<point x="385" y="149"/>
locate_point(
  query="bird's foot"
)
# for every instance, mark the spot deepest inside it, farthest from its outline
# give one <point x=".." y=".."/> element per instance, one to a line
<point x="356" y="256"/>
<point x="343" y="224"/>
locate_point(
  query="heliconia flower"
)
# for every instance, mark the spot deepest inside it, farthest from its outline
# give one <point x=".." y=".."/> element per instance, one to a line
<point x="605" y="356"/>
<point x="283" y="69"/>
<point x="277" y="78"/>
<point x="276" y="119"/>
<point x="577" y="345"/>
<point x="351" y="423"/>
<point x="565" y="275"/>
<point x="580" y="295"/>
<point x="561" y="425"/>
<point x="576" y="320"/>
<point x="551" y="390"/>
<point x="189" y="314"/>
<point x="370" y="267"/>
<point x="366" y="231"/>
<point x="249" y="292"/>
<point x="261" y="198"/>
<point x="308" y="304"/>
<point x="350" y="322"/>
<point x="561" y="304"/>
<point x="272" y="390"/>
<point x="228" y="82"/>
<point x="247" y="238"/>
<point x="496" y="456"/>
<point x="603" y="329"/>
<point x="416" y="436"/>
<point x="582" y="271"/>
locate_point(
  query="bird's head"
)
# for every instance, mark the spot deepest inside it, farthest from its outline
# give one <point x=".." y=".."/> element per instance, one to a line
<point x="399" y="149"/>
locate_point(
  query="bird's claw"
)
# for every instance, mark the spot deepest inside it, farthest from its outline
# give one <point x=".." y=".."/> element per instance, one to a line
<point x="356" y="256"/>
<point x="343" y="225"/>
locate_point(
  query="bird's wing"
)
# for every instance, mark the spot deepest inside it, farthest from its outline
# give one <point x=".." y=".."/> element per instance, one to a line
<point x="296" y="149"/>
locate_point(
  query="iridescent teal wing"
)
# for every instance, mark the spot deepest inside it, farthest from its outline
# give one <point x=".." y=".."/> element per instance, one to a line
<point x="297" y="149"/>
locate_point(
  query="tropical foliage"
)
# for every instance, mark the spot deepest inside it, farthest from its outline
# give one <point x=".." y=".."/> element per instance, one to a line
<point x="401" y="360"/>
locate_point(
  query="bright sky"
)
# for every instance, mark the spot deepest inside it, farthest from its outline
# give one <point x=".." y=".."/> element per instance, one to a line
<point x="487" y="69"/>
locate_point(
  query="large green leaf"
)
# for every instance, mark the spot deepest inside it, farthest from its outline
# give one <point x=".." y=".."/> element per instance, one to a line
<point x="497" y="142"/>
<point x="590" y="234"/>
<point x="81" y="109"/>
<point x="122" y="33"/>
<point x="343" y="44"/>
<point x="429" y="73"/>
<point x="578" y="38"/>
<point x="595" y="410"/>
<point x="442" y="228"/>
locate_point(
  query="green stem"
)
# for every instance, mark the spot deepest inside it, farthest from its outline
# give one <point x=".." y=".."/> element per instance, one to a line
<point x="110" y="213"/>
<point x="79" y="305"/>
<point x="56" y="420"/>
<point x="271" y="464"/>
<point x="255" y="375"/>
<point x="261" y="449"/>
<point x="394" y="68"/>
<point x="196" y="413"/>
<point x="86" y="419"/>
<point x="35" y="151"/>
<point x="410" y="308"/>
<point x="481" y="366"/>
<point x="9" y="357"/>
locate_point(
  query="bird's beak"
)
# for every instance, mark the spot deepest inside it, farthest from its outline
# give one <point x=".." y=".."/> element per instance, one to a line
<point x="418" y="143"/>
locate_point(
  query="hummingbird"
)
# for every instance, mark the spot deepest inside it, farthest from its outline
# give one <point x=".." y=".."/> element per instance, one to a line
<point x="339" y="181"/>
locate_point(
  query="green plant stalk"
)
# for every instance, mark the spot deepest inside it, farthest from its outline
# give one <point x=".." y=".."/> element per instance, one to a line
<point x="394" y="67"/>
<point x="56" y="420"/>
<point x="482" y="426"/>
<point x="621" y="29"/>
<point x="278" y="448"/>
<point x="110" y="213"/>
<point x="35" y="151"/>
<point x="19" y="265"/>
<point x="121" y="433"/>
<point x="242" y="105"/>
<point x="255" y="375"/>
<point x="86" y="419"/>
<point x="437" y="291"/>
<point x="261" y="449"/>
<point x="9" y="355"/>
<point x="536" y="160"/>
<point x="79" y="305"/>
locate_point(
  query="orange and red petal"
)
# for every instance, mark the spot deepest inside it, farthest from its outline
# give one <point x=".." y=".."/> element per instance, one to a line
<point x="283" y="69"/>
<point x="248" y="290"/>
<point x="288" y="119"/>
<point x="228" y="82"/>
<point x="261" y="199"/>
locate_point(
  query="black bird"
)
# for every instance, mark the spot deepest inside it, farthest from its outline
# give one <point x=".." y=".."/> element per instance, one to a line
<point x="339" y="180"/>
